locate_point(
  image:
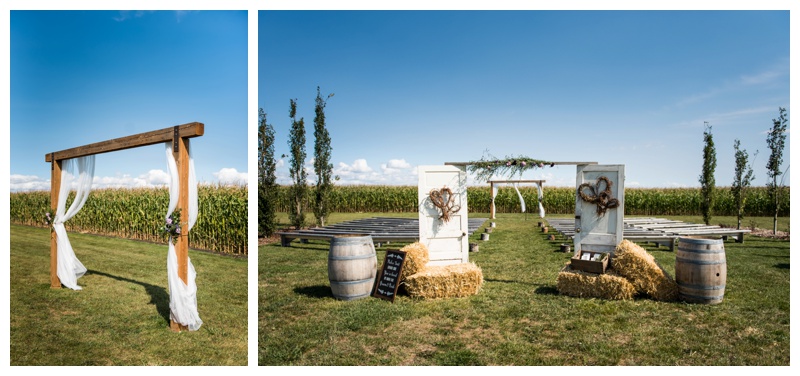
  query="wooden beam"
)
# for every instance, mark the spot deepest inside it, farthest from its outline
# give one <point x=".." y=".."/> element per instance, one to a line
<point x="55" y="187"/>
<point x="182" y="245"/>
<point x="188" y="130"/>
<point x="517" y="181"/>
<point x="554" y="163"/>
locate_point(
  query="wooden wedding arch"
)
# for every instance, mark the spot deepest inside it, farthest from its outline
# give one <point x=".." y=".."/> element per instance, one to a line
<point x="179" y="136"/>
<point x="493" y="182"/>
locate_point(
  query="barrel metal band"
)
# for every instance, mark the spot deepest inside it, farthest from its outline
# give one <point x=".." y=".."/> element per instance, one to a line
<point x="352" y="282"/>
<point x="343" y="258"/>
<point x="697" y="262"/>
<point x="704" y="298"/>
<point x="710" y="251"/>
<point x="701" y="287"/>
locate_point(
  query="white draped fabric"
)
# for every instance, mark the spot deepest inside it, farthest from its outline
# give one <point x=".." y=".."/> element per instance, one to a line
<point x="541" y="197"/>
<point x="69" y="267"/>
<point x="521" y="200"/>
<point x="494" y="194"/>
<point x="182" y="296"/>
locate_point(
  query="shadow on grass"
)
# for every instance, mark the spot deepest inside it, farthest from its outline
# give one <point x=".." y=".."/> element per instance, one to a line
<point x="509" y="281"/>
<point x="158" y="295"/>
<point x="306" y="246"/>
<point x="319" y="291"/>
<point x="546" y="290"/>
<point x="772" y="256"/>
<point x="782" y="266"/>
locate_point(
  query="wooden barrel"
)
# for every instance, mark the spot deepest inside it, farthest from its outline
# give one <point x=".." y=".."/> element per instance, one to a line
<point x="701" y="269"/>
<point x="352" y="265"/>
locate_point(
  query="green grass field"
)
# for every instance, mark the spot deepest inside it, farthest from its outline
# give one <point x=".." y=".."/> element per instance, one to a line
<point x="519" y="318"/>
<point x="121" y="316"/>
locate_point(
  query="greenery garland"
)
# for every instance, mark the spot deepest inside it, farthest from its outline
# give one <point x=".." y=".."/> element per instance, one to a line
<point x="485" y="168"/>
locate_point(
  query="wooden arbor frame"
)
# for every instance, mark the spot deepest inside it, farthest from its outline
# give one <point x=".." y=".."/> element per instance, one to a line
<point x="179" y="136"/>
<point x="491" y="182"/>
<point x="491" y="189"/>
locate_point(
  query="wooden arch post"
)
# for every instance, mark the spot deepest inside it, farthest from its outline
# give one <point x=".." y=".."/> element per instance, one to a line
<point x="179" y="136"/>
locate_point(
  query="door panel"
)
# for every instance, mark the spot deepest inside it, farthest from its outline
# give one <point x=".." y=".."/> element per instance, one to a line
<point x="447" y="242"/>
<point x="595" y="231"/>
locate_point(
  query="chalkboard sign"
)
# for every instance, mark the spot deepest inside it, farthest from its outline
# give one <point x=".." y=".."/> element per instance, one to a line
<point x="389" y="278"/>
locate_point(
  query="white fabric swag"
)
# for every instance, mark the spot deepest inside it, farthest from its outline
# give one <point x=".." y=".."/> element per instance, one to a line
<point x="521" y="200"/>
<point x="541" y="198"/>
<point x="69" y="267"/>
<point x="182" y="296"/>
<point x="494" y="195"/>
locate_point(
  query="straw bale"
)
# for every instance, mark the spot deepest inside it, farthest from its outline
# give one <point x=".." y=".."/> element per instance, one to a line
<point x="647" y="276"/>
<point x="451" y="281"/>
<point x="416" y="259"/>
<point x="609" y="285"/>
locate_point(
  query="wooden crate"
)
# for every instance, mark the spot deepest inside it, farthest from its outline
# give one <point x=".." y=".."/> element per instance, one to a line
<point x="597" y="267"/>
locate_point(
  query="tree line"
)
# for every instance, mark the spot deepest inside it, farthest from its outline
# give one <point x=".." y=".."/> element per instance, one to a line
<point x="743" y="174"/>
<point x="267" y="163"/>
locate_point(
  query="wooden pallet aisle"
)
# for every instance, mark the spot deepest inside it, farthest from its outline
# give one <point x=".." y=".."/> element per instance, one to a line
<point x="382" y="230"/>
<point x="656" y="230"/>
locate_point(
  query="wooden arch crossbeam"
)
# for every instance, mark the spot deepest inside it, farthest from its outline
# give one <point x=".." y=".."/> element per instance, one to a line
<point x="179" y="136"/>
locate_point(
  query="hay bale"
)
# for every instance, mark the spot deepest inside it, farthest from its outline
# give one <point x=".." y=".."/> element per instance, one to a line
<point x="589" y="285"/>
<point x="416" y="259"/>
<point x="647" y="276"/>
<point x="451" y="281"/>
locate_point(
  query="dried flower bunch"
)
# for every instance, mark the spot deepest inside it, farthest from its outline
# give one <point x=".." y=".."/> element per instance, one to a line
<point x="172" y="226"/>
<point x="487" y="167"/>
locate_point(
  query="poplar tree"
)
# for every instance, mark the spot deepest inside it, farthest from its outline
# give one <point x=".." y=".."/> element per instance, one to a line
<point x="299" y="189"/>
<point x="776" y="139"/>
<point x="707" y="183"/>
<point x="742" y="177"/>
<point x="267" y="187"/>
<point x="322" y="161"/>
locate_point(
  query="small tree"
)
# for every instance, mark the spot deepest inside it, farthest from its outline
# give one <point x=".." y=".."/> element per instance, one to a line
<point x="267" y="223"/>
<point x="322" y="161"/>
<point x="743" y="176"/>
<point x="298" y="191"/>
<point x="776" y="139"/>
<point x="707" y="184"/>
<point x="267" y="187"/>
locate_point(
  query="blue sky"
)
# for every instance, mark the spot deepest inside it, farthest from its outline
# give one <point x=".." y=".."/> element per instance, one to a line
<point x="616" y="87"/>
<point x="79" y="77"/>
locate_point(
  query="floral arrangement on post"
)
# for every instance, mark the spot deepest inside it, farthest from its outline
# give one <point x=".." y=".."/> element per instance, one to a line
<point x="49" y="217"/>
<point x="485" y="168"/>
<point x="172" y="226"/>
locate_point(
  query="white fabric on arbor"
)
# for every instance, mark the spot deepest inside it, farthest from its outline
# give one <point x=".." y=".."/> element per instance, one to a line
<point x="69" y="267"/>
<point x="521" y="200"/>
<point x="182" y="296"/>
<point x="541" y="197"/>
<point x="494" y="194"/>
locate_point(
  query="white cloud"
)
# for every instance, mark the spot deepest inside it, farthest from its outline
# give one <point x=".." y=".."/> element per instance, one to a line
<point x="150" y="179"/>
<point x="393" y="172"/>
<point x="395" y="166"/>
<point x="230" y="176"/>
<point x="21" y="183"/>
<point x="358" y="166"/>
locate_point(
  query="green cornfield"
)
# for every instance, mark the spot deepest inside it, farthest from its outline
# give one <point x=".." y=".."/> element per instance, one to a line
<point x="138" y="213"/>
<point x="557" y="200"/>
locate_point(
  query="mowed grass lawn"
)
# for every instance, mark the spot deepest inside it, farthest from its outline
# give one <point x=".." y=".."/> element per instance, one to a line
<point x="519" y="318"/>
<point x="121" y="316"/>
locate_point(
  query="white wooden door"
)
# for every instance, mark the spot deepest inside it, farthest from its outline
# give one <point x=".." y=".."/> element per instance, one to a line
<point x="599" y="231"/>
<point x="447" y="242"/>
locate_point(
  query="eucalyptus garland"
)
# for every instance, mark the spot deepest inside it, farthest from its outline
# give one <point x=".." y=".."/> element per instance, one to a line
<point x="485" y="168"/>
